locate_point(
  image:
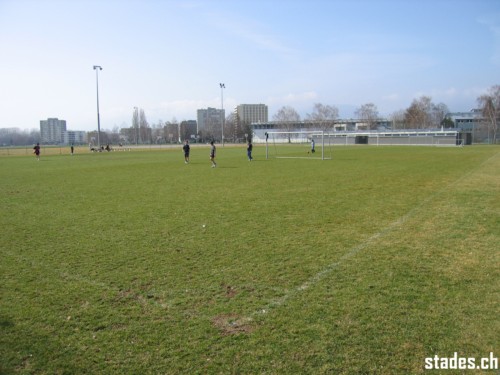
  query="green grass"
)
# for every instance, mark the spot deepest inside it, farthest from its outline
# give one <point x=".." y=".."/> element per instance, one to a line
<point x="367" y="263"/>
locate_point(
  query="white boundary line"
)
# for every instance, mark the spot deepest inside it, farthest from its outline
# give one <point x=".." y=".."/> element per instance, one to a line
<point x="302" y="157"/>
<point x="313" y="280"/>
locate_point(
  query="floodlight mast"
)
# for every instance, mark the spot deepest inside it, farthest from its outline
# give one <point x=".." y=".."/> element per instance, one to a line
<point x="222" y="87"/>
<point x="97" y="68"/>
<point x="137" y="130"/>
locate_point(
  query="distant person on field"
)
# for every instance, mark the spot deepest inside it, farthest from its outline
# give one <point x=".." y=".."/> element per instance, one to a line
<point x="36" y="151"/>
<point x="312" y="146"/>
<point x="72" y="149"/>
<point x="249" y="151"/>
<point x="186" y="149"/>
<point x="212" y="154"/>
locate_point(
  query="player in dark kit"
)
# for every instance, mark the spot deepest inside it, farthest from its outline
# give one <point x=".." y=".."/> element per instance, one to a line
<point x="249" y="151"/>
<point x="36" y="151"/>
<point x="212" y="154"/>
<point x="186" y="149"/>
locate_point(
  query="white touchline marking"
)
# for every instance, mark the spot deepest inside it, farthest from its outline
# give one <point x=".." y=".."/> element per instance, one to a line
<point x="356" y="249"/>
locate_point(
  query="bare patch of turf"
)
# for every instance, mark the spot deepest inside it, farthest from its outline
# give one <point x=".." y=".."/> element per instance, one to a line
<point x="232" y="324"/>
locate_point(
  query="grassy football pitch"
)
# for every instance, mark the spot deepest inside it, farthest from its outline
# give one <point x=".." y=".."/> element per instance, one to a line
<point x="135" y="263"/>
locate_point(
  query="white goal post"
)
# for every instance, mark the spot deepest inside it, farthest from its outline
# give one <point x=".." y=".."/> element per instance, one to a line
<point x="320" y="138"/>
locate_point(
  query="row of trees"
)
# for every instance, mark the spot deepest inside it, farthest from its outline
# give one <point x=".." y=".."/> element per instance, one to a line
<point x="142" y="132"/>
<point x="18" y="137"/>
<point x="175" y="132"/>
<point x="421" y="114"/>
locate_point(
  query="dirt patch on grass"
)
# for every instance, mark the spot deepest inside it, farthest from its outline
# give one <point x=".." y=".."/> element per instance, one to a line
<point x="232" y="324"/>
<point x="229" y="290"/>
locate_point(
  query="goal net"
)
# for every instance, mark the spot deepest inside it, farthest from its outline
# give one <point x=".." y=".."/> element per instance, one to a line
<point x="298" y="145"/>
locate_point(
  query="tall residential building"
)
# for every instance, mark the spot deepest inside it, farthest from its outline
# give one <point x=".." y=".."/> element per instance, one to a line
<point x="52" y="130"/>
<point x="251" y="113"/>
<point x="209" y="118"/>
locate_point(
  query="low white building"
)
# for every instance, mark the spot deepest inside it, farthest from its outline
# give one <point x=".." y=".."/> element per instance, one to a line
<point x="74" y="137"/>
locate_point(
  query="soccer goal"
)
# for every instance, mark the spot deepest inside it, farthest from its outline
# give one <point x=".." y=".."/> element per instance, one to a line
<point x="298" y="145"/>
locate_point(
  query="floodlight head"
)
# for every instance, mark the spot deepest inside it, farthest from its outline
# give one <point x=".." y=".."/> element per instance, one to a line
<point x="222" y="86"/>
<point x="96" y="67"/>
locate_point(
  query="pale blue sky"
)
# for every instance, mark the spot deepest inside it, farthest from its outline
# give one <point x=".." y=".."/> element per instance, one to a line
<point x="168" y="57"/>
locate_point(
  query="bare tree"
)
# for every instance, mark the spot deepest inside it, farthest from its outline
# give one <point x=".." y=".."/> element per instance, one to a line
<point x="287" y="119"/>
<point x="144" y="129"/>
<point x="175" y="130"/>
<point x="490" y="109"/>
<point x="187" y="129"/>
<point x="157" y="132"/>
<point x="114" y="135"/>
<point x="128" y="135"/>
<point x="424" y="114"/>
<point x="398" y="119"/>
<point x="418" y="115"/>
<point x="231" y="127"/>
<point x="171" y="131"/>
<point x="18" y="137"/>
<point x="368" y="113"/>
<point x="324" y="115"/>
<point x="438" y="114"/>
<point x="135" y="125"/>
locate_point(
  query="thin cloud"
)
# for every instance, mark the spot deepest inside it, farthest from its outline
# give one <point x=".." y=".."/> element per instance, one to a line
<point x="189" y="4"/>
<point x="391" y="97"/>
<point x="492" y="22"/>
<point x="293" y="98"/>
<point x="245" y="29"/>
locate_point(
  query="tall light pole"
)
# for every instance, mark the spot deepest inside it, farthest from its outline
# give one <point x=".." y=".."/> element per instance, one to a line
<point x="97" y="68"/>
<point x="222" y="87"/>
<point x="135" y="118"/>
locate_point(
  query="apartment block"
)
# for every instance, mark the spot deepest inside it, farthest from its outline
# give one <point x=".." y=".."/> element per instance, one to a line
<point x="52" y="130"/>
<point x="252" y="113"/>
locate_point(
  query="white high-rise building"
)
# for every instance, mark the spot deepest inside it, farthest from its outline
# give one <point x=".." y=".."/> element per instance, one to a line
<point x="251" y="113"/>
<point x="52" y="130"/>
<point x="209" y="118"/>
